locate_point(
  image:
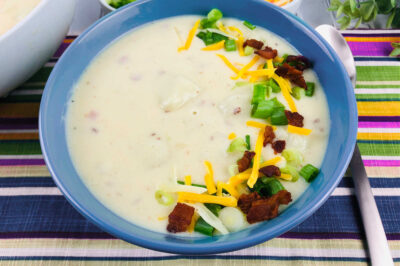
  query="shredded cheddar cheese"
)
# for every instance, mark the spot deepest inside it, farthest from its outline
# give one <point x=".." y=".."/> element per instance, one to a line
<point x="285" y="92"/>
<point x="246" y="67"/>
<point x="190" y="228"/>
<point x="236" y="30"/>
<point x="239" y="44"/>
<point x="232" y="136"/>
<point x="259" y="125"/>
<point x="162" y="218"/>
<point x="278" y="59"/>
<point x="188" y="180"/>
<point x="222" y="28"/>
<point x="261" y="72"/>
<point x="231" y="189"/>
<point x="203" y="198"/>
<point x="228" y="64"/>
<point x="215" y="46"/>
<point x="209" y="178"/>
<point x="286" y="177"/>
<point x="270" y="64"/>
<point x="273" y="161"/>
<point x="299" y="130"/>
<point x="190" y="37"/>
<point x="219" y="188"/>
<point x="256" y="162"/>
<point x="254" y="78"/>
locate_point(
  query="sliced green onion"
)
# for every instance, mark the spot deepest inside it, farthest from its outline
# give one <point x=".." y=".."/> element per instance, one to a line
<point x="214" y="208"/>
<point x="296" y="92"/>
<point x="214" y="15"/>
<point x="278" y="117"/>
<point x="194" y="185"/>
<point x="230" y="45"/>
<point x="293" y="157"/>
<point x="285" y="57"/>
<point x="277" y="103"/>
<point x="242" y="83"/>
<point x="274" y="86"/>
<point x="237" y="145"/>
<point x="309" y="172"/>
<point x="233" y="169"/>
<point x="310" y="89"/>
<point x="248" y="50"/>
<point x="259" y="93"/>
<point x="267" y="186"/>
<point x="209" y="37"/>
<point x="164" y="198"/>
<point x="205" y="24"/>
<point x="248" y="142"/>
<point x="203" y="227"/>
<point x="288" y="169"/>
<point x="249" y="25"/>
<point x="263" y="109"/>
<point x="277" y="64"/>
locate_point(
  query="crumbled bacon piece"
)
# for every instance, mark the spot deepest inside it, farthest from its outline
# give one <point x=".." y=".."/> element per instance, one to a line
<point x="245" y="161"/>
<point x="270" y="170"/>
<point x="295" y="119"/>
<point x="253" y="43"/>
<point x="267" y="53"/>
<point x="180" y="218"/>
<point x="300" y="62"/>
<point x="245" y="201"/>
<point x="293" y="74"/>
<point x="269" y="135"/>
<point x="266" y="209"/>
<point x="278" y="146"/>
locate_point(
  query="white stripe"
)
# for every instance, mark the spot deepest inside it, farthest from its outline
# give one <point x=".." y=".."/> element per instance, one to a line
<point x="380" y="157"/>
<point x="30" y="191"/>
<point x="50" y="64"/>
<point x="355" y="32"/>
<point x="27" y="92"/>
<point x="31" y="156"/>
<point x="4" y="131"/>
<point x="378" y="83"/>
<point x="377" y="91"/>
<point x="388" y="192"/>
<point x="379" y="130"/>
<point x="375" y="63"/>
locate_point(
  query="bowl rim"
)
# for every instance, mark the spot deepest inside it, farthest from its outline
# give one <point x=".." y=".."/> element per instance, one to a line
<point x="28" y="17"/>
<point x="222" y="246"/>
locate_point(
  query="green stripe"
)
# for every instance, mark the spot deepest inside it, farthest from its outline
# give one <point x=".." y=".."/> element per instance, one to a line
<point x="379" y="149"/>
<point x="21" y="99"/>
<point x="19" y="147"/>
<point x="387" y="97"/>
<point x="378" y="73"/>
<point x="42" y="75"/>
<point x="377" y="86"/>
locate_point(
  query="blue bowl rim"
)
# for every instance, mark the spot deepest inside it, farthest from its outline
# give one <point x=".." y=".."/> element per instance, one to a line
<point x="216" y="247"/>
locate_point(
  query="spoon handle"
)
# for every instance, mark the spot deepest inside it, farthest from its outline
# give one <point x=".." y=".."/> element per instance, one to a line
<point x="377" y="243"/>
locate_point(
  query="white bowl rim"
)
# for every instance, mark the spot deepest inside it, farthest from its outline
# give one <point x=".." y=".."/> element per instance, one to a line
<point x="25" y="19"/>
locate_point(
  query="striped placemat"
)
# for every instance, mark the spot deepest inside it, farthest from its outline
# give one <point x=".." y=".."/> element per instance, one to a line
<point x="38" y="226"/>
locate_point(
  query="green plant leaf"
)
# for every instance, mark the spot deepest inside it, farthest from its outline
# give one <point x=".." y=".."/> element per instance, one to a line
<point x="339" y="11"/>
<point x="353" y="5"/>
<point x="367" y="10"/>
<point x="390" y="19"/>
<point x="358" y="23"/>
<point x="396" y="19"/>
<point x="344" y="22"/>
<point x="385" y="6"/>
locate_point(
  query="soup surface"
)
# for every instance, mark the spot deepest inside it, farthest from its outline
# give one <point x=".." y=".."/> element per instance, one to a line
<point x="144" y="114"/>
<point x="14" y="11"/>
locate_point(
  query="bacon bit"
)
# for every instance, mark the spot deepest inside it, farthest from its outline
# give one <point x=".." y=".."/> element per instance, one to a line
<point x="266" y="209"/>
<point x="300" y="62"/>
<point x="244" y="162"/>
<point x="253" y="43"/>
<point x="267" y="53"/>
<point x="245" y="201"/>
<point x="269" y="135"/>
<point x="295" y="119"/>
<point x="270" y="170"/>
<point x="180" y="218"/>
<point x="237" y="110"/>
<point x="278" y="146"/>
<point x="293" y="74"/>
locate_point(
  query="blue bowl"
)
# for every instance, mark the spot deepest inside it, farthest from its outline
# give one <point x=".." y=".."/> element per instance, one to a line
<point x="330" y="71"/>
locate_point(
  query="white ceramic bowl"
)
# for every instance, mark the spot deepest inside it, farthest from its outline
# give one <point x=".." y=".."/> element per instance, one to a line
<point x="28" y="45"/>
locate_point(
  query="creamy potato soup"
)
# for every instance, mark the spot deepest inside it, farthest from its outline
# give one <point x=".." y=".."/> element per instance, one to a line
<point x="14" y="11"/>
<point x="146" y="116"/>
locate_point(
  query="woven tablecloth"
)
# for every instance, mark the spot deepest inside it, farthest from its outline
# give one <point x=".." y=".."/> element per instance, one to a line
<point x="38" y="225"/>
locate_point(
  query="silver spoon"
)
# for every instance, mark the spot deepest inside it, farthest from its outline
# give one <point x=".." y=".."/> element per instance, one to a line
<point x="377" y="243"/>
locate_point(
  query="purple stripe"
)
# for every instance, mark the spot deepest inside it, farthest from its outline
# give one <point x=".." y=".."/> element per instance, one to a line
<point x="381" y="162"/>
<point x="370" y="48"/>
<point x="18" y="123"/>
<point x="366" y="35"/>
<point x="379" y="118"/>
<point x="15" y="162"/>
<point x="379" y="124"/>
<point x="61" y="49"/>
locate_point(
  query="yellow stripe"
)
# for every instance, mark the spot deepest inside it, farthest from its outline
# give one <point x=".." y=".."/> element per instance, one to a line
<point x="372" y="39"/>
<point x="378" y="108"/>
<point x="215" y="46"/>
<point x="378" y="136"/>
<point x="190" y="37"/>
<point x="256" y="162"/>
<point x="24" y="171"/>
<point x="19" y="110"/>
<point x="246" y="67"/>
<point x="209" y="178"/>
<point x="228" y="64"/>
<point x="19" y="136"/>
<point x="203" y="198"/>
